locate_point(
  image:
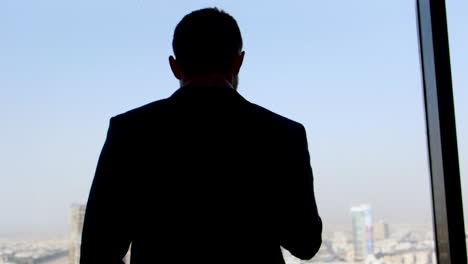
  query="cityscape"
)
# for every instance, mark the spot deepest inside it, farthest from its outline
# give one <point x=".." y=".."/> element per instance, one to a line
<point x="364" y="241"/>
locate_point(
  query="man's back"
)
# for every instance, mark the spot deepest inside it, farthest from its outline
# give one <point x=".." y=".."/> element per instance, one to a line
<point x="203" y="176"/>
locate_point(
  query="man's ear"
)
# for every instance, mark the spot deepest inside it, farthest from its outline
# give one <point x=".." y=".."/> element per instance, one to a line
<point x="175" y="68"/>
<point x="238" y="63"/>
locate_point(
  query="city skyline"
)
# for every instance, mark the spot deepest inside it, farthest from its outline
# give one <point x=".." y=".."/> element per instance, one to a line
<point x="362" y="244"/>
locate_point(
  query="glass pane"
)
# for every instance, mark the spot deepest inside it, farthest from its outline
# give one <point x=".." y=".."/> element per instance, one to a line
<point x="457" y="23"/>
<point x="348" y="70"/>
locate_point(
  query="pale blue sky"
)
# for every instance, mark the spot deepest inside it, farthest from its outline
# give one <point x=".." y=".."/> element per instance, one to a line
<point x="348" y="70"/>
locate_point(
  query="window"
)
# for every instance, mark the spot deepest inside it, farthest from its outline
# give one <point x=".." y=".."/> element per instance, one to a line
<point x="458" y="58"/>
<point x="442" y="142"/>
<point x="349" y="71"/>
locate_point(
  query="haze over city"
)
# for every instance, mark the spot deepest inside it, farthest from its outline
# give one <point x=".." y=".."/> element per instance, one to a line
<point x="348" y="70"/>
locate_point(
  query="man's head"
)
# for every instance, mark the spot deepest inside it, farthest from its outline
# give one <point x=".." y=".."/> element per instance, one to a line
<point x="207" y="46"/>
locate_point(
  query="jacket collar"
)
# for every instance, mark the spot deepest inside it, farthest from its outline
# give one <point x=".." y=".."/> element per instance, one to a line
<point x="206" y="93"/>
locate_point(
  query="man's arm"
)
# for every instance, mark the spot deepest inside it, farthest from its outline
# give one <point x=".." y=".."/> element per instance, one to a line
<point x="106" y="235"/>
<point x="301" y="227"/>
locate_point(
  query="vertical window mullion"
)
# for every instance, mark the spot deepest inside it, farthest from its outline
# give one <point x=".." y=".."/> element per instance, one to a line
<point x="441" y="132"/>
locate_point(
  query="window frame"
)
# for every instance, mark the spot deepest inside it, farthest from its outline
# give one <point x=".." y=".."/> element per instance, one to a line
<point x="447" y="201"/>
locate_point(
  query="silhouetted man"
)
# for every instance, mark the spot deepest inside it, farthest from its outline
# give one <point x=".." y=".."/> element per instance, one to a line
<point x="203" y="176"/>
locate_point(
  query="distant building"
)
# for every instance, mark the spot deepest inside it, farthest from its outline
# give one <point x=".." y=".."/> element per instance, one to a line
<point x="381" y="230"/>
<point x="362" y="232"/>
<point x="339" y="237"/>
<point x="76" y="228"/>
<point x="127" y="257"/>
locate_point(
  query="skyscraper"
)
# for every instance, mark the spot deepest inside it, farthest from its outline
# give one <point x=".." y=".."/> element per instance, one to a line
<point x="76" y="228"/>
<point x="362" y="231"/>
<point x="381" y="230"/>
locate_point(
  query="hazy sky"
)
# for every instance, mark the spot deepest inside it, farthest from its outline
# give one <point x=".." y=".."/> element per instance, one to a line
<point x="348" y="70"/>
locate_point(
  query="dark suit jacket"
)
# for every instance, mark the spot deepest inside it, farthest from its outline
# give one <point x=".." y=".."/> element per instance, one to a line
<point x="203" y="176"/>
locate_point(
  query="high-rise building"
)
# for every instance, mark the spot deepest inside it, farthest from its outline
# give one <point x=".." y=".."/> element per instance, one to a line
<point x="362" y="231"/>
<point x="76" y="228"/>
<point x="381" y="230"/>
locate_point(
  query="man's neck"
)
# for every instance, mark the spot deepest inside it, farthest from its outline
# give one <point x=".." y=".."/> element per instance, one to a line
<point x="207" y="81"/>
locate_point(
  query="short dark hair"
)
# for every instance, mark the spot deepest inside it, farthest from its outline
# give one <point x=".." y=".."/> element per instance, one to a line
<point x="206" y="41"/>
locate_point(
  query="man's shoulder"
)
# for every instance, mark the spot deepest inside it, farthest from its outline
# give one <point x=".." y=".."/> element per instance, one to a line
<point x="142" y="113"/>
<point x="162" y="109"/>
<point x="274" y="119"/>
